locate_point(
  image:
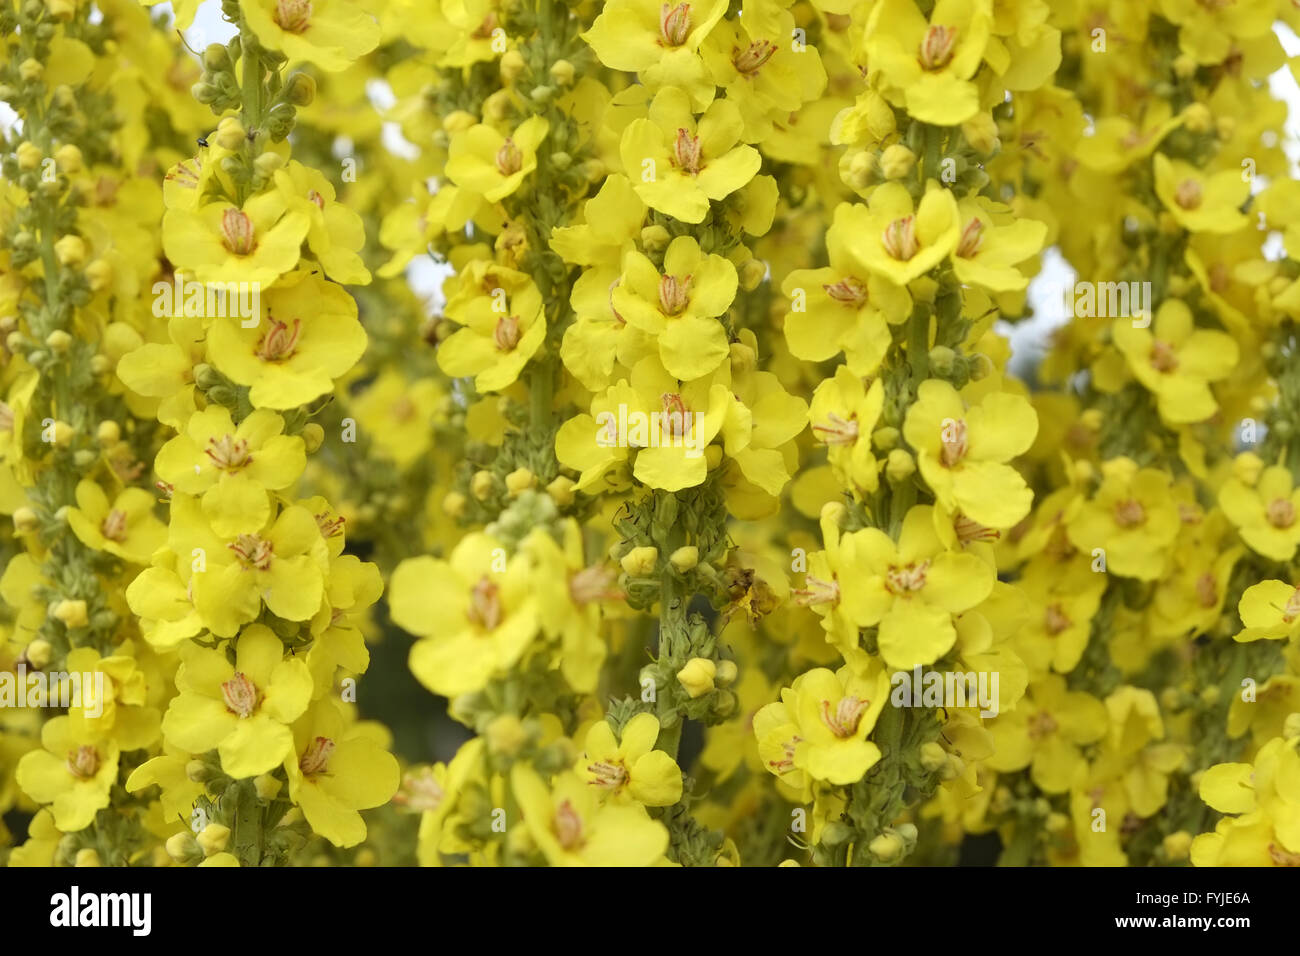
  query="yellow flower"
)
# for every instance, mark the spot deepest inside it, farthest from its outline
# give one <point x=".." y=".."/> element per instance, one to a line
<point x="242" y="709"/>
<point x="666" y="422"/>
<point x="281" y="563"/>
<point x="1045" y="732"/>
<point x="1177" y="361"/>
<point x="1202" y="203"/>
<point x="910" y="589"/>
<point x="232" y="467"/>
<point x="844" y="307"/>
<point x="335" y="770"/>
<point x="165" y="371"/>
<point x="307" y="336"/>
<point x="894" y="239"/>
<point x="332" y="34"/>
<point x="485" y="162"/>
<point x="963" y="452"/>
<point x="336" y="234"/>
<point x="1270" y="610"/>
<point x="223" y="243"/>
<point x="768" y="76"/>
<point x="476" y="613"/>
<point x="928" y="66"/>
<point x="572" y="600"/>
<point x="1065" y="601"/>
<point x="572" y="827"/>
<point x="677" y="165"/>
<point x="1208" y="31"/>
<point x="835" y="712"/>
<point x="397" y="413"/>
<point x="502" y="329"/>
<point x="1131" y="518"/>
<point x="843" y="414"/>
<point x="678" y="308"/>
<point x="351" y="587"/>
<point x="73" y="772"/>
<point x="126" y="527"/>
<point x="660" y="42"/>
<point x="629" y="768"/>
<point x="1266" y="831"/>
<point x="993" y="242"/>
<point x="1267" y="516"/>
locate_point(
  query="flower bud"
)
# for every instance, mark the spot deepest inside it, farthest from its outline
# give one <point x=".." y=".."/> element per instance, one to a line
<point x="862" y="169"/>
<point x="88" y="856"/>
<point x="213" y="838"/>
<point x="561" y="491"/>
<point x="29" y="155"/>
<point x="300" y="90"/>
<point x="183" y="848"/>
<point x="230" y="134"/>
<point x="519" y="481"/>
<point x="887" y="846"/>
<point x="752" y="274"/>
<point x="38" y="653"/>
<point x="216" y="58"/>
<point x="897" y="161"/>
<point x="562" y="72"/>
<point x="453" y="504"/>
<point x="685" y="558"/>
<point x="900" y="465"/>
<point x="697" y="676"/>
<point x="655" y="238"/>
<point x="25" y="520"/>
<point x="1291" y="726"/>
<point x="71" y="613"/>
<point x="1177" y="845"/>
<point x="933" y="756"/>
<point x="68" y="158"/>
<point x="457" y="121"/>
<point x="31" y="70"/>
<point x="886" y="438"/>
<point x="482" y="485"/>
<point x="512" y="65"/>
<point x="108" y="432"/>
<point x="506" y="735"/>
<point x="313" y="436"/>
<point x="61" y="9"/>
<point x="982" y="133"/>
<point x="98" y="273"/>
<point x="640" y="562"/>
<point x="70" y="251"/>
<point x="267" y="787"/>
<point x="268" y="163"/>
<point x="727" y="672"/>
<point x="1247" y="468"/>
<point x="1197" y="118"/>
<point x="58" y="340"/>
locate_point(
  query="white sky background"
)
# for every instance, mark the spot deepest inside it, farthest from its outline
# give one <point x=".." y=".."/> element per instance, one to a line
<point x="1028" y="339"/>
